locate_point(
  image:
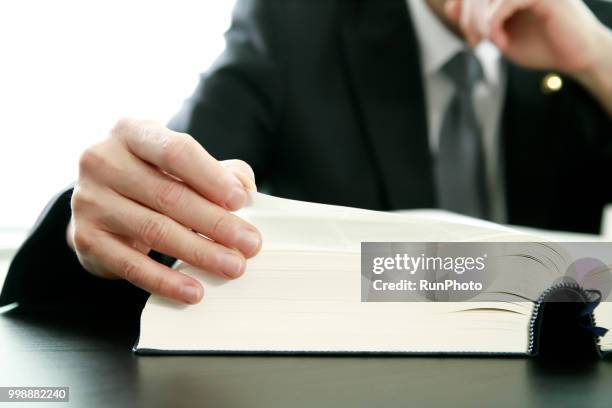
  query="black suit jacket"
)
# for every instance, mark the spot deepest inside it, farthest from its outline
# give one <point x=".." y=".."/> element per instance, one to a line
<point x="324" y="98"/>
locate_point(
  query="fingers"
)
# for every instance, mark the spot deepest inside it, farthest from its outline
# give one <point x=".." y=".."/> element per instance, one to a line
<point x="501" y="12"/>
<point x="484" y="19"/>
<point x="243" y="171"/>
<point x="470" y="21"/>
<point x="137" y="268"/>
<point x="147" y="187"/>
<point x="453" y="10"/>
<point x="142" y="183"/>
<point x="184" y="158"/>
<point x="165" y="235"/>
<point x="465" y="15"/>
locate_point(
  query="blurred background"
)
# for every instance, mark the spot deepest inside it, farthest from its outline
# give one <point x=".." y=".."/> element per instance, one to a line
<point x="69" y="69"/>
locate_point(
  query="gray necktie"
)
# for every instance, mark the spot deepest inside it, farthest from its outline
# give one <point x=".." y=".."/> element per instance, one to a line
<point x="460" y="171"/>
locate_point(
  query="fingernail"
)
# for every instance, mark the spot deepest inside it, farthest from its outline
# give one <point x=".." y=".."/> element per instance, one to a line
<point x="237" y="198"/>
<point x="231" y="264"/>
<point x="248" y="242"/>
<point x="191" y="293"/>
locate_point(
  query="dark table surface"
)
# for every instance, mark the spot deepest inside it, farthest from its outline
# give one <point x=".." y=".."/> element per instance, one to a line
<point x="92" y="355"/>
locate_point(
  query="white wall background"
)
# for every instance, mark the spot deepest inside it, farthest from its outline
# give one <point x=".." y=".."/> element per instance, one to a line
<point x="69" y="69"/>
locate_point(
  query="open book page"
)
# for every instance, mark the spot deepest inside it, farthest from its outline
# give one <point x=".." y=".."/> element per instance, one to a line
<point x="300" y="226"/>
<point x="288" y="224"/>
<point x="302" y="292"/>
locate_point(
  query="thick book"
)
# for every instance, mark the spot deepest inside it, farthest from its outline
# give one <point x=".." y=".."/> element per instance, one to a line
<point x="304" y="292"/>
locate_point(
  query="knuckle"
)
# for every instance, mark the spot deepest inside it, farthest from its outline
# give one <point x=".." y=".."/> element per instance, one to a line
<point x="94" y="268"/>
<point x="202" y="258"/>
<point x="224" y="219"/>
<point x="83" y="241"/>
<point x="174" y="148"/>
<point x="162" y="285"/>
<point x="91" y="159"/>
<point x="153" y="231"/>
<point x="81" y="199"/>
<point x="122" y="126"/>
<point x="169" y="195"/>
<point x="131" y="271"/>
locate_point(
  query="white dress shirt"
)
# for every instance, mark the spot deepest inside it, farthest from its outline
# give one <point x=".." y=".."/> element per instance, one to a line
<point x="437" y="46"/>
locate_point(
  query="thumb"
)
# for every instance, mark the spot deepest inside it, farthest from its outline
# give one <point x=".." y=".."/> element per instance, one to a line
<point x="243" y="171"/>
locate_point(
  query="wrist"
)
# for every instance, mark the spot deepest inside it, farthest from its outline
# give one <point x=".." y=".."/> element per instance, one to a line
<point x="597" y="75"/>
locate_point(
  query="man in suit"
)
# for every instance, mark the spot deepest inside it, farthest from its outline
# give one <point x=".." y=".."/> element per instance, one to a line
<point x="495" y="108"/>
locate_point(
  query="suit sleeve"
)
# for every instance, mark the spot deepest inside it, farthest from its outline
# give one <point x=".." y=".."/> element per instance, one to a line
<point x="46" y="273"/>
<point x="233" y="114"/>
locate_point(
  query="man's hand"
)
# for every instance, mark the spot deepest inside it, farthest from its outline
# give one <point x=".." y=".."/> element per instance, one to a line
<point x="560" y="35"/>
<point x="146" y="187"/>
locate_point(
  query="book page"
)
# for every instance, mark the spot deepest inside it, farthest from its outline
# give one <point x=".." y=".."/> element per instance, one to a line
<point x="302" y="292"/>
<point x="288" y="224"/>
<point x="316" y="307"/>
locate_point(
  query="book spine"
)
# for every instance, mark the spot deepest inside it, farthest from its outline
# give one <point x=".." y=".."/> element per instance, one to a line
<point x="534" y="321"/>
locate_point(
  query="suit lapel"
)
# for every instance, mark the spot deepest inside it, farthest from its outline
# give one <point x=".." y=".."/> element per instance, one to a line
<point x="384" y="66"/>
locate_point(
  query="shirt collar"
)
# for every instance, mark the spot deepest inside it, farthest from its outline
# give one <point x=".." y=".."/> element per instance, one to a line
<point x="438" y="44"/>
